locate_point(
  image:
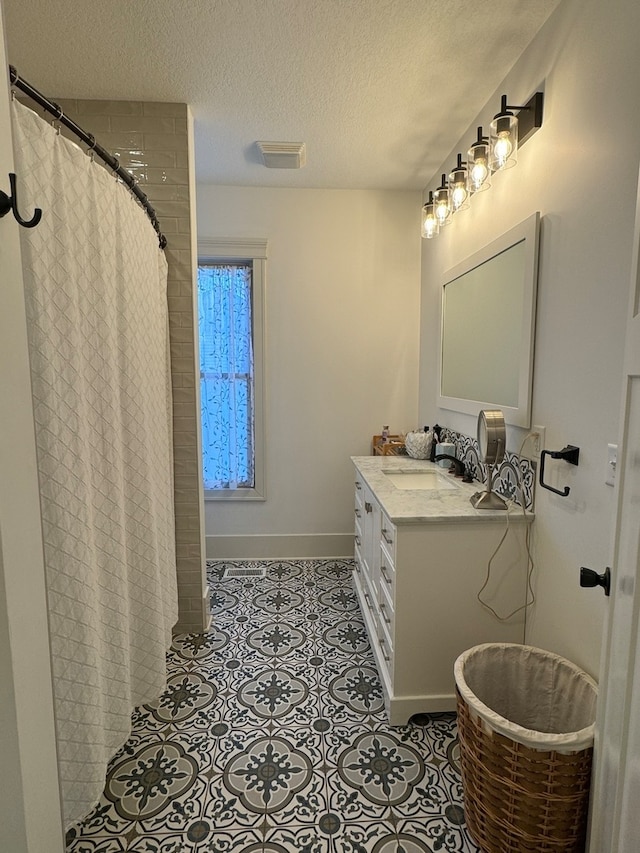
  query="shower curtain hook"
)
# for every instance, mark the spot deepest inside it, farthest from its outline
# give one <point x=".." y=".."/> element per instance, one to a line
<point x="55" y="121"/>
<point x="92" y="146"/>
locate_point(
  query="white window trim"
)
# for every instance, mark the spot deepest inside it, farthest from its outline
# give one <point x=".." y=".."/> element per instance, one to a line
<point x="215" y="251"/>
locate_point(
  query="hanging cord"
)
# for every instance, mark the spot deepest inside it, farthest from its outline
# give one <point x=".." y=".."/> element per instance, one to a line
<point x="61" y="118"/>
<point x="530" y="595"/>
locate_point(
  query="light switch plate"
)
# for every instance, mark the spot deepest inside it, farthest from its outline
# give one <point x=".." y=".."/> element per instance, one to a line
<point x="612" y="461"/>
<point x="537" y="443"/>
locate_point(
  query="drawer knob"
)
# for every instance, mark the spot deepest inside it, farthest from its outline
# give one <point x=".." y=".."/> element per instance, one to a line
<point x="383" y="572"/>
<point x="388" y="539"/>
<point x="368" y="506"/>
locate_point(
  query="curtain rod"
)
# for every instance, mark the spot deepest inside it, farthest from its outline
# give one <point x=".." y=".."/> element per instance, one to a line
<point x="114" y="164"/>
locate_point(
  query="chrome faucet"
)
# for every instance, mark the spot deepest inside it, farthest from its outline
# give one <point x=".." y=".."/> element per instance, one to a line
<point x="460" y="467"/>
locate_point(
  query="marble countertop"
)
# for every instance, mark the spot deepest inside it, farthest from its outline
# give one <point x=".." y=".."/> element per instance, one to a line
<point x="404" y="506"/>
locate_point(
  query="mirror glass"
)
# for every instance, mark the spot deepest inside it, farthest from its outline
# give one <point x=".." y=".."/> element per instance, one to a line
<point x="488" y="316"/>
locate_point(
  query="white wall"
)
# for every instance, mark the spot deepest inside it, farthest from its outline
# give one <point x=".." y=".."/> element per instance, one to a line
<point x="580" y="171"/>
<point x="342" y="325"/>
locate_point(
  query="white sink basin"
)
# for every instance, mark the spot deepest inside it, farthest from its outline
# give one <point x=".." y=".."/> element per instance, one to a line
<point x="429" y="479"/>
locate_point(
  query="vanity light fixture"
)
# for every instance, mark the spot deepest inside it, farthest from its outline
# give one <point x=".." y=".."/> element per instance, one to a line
<point x="442" y="202"/>
<point x="430" y="225"/>
<point x="509" y="131"/>
<point x="459" y="186"/>
<point x="478" y="164"/>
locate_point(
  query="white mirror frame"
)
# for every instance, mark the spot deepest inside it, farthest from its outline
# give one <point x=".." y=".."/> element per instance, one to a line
<point x="520" y="414"/>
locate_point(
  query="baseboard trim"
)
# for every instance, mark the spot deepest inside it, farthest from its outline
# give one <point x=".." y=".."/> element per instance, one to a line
<point x="274" y="546"/>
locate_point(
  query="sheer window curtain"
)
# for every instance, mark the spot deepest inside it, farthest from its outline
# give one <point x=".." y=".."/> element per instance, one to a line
<point x="226" y="375"/>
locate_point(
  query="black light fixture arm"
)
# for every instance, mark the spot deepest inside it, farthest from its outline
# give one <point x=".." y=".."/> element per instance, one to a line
<point x="114" y="164"/>
<point x="505" y="108"/>
<point x="529" y="116"/>
<point x="570" y="454"/>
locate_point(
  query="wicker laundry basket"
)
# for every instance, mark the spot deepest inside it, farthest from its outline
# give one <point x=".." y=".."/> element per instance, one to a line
<point x="526" y="721"/>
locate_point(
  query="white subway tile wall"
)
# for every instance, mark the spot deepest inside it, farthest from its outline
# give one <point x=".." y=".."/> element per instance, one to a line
<point x="152" y="143"/>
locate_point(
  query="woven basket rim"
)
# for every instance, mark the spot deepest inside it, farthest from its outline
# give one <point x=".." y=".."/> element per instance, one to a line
<point x="566" y="742"/>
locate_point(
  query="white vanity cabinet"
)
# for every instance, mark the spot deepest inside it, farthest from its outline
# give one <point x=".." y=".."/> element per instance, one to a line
<point x="421" y="560"/>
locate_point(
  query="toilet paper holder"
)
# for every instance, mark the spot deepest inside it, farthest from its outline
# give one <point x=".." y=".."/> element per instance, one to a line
<point x="570" y="454"/>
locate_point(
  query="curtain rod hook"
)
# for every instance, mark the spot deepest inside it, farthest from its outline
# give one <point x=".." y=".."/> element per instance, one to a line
<point x="92" y="146"/>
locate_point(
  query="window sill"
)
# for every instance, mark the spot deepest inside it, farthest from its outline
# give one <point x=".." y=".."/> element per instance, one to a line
<point x="234" y="495"/>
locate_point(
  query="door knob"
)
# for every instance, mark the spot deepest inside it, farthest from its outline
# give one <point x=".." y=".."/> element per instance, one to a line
<point x="590" y="578"/>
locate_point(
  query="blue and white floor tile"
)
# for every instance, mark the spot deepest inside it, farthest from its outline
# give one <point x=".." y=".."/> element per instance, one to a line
<point x="271" y="736"/>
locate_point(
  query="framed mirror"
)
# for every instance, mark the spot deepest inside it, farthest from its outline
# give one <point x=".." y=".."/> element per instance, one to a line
<point x="488" y="327"/>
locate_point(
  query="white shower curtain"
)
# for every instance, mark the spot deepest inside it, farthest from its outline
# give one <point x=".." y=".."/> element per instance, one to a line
<point x="95" y="284"/>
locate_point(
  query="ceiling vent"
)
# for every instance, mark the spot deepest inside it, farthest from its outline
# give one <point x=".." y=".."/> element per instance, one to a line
<point x="283" y="155"/>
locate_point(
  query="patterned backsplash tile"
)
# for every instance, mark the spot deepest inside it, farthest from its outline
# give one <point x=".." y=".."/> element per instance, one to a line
<point x="515" y="473"/>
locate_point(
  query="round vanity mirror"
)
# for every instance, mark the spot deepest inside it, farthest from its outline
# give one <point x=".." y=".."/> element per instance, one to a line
<point x="492" y="436"/>
<point x="492" y="439"/>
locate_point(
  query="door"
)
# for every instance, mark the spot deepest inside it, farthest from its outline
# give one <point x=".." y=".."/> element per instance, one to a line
<point x="29" y="794"/>
<point x="616" y="792"/>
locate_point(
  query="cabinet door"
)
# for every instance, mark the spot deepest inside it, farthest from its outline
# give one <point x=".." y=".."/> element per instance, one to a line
<point x="358" y="514"/>
<point x="371" y="538"/>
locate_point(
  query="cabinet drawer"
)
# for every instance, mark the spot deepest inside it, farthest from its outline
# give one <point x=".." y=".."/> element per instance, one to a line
<point x="388" y="537"/>
<point x="386" y="651"/>
<point x="387" y="575"/>
<point x="387" y="613"/>
<point x="358" y="528"/>
<point x="370" y="599"/>
<point x="358" y="539"/>
<point x="359" y="565"/>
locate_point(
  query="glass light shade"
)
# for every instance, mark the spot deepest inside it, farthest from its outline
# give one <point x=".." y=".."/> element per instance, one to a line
<point x="478" y="166"/>
<point x="504" y="142"/>
<point x="430" y="225"/>
<point x="459" y="189"/>
<point x="442" y="203"/>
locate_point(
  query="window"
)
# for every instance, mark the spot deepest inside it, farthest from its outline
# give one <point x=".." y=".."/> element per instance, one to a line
<point x="230" y="319"/>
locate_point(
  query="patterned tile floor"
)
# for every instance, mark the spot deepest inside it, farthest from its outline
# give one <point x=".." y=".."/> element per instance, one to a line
<point x="271" y="737"/>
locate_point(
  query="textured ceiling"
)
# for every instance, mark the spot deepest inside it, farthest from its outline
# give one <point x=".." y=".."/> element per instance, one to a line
<point x="380" y="90"/>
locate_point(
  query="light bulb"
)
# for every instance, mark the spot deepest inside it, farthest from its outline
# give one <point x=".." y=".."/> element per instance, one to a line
<point x="442" y="203"/>
<point x="430" y="227"/>
<point x="458" y="190"/>
<point x="478" y="160"/>
<point x="458" y="196"/>
<point x="504" y="138"/>
<point x="502" y="149"/>
<point x="479" y="174"/>
<point x="442" y="212"/>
